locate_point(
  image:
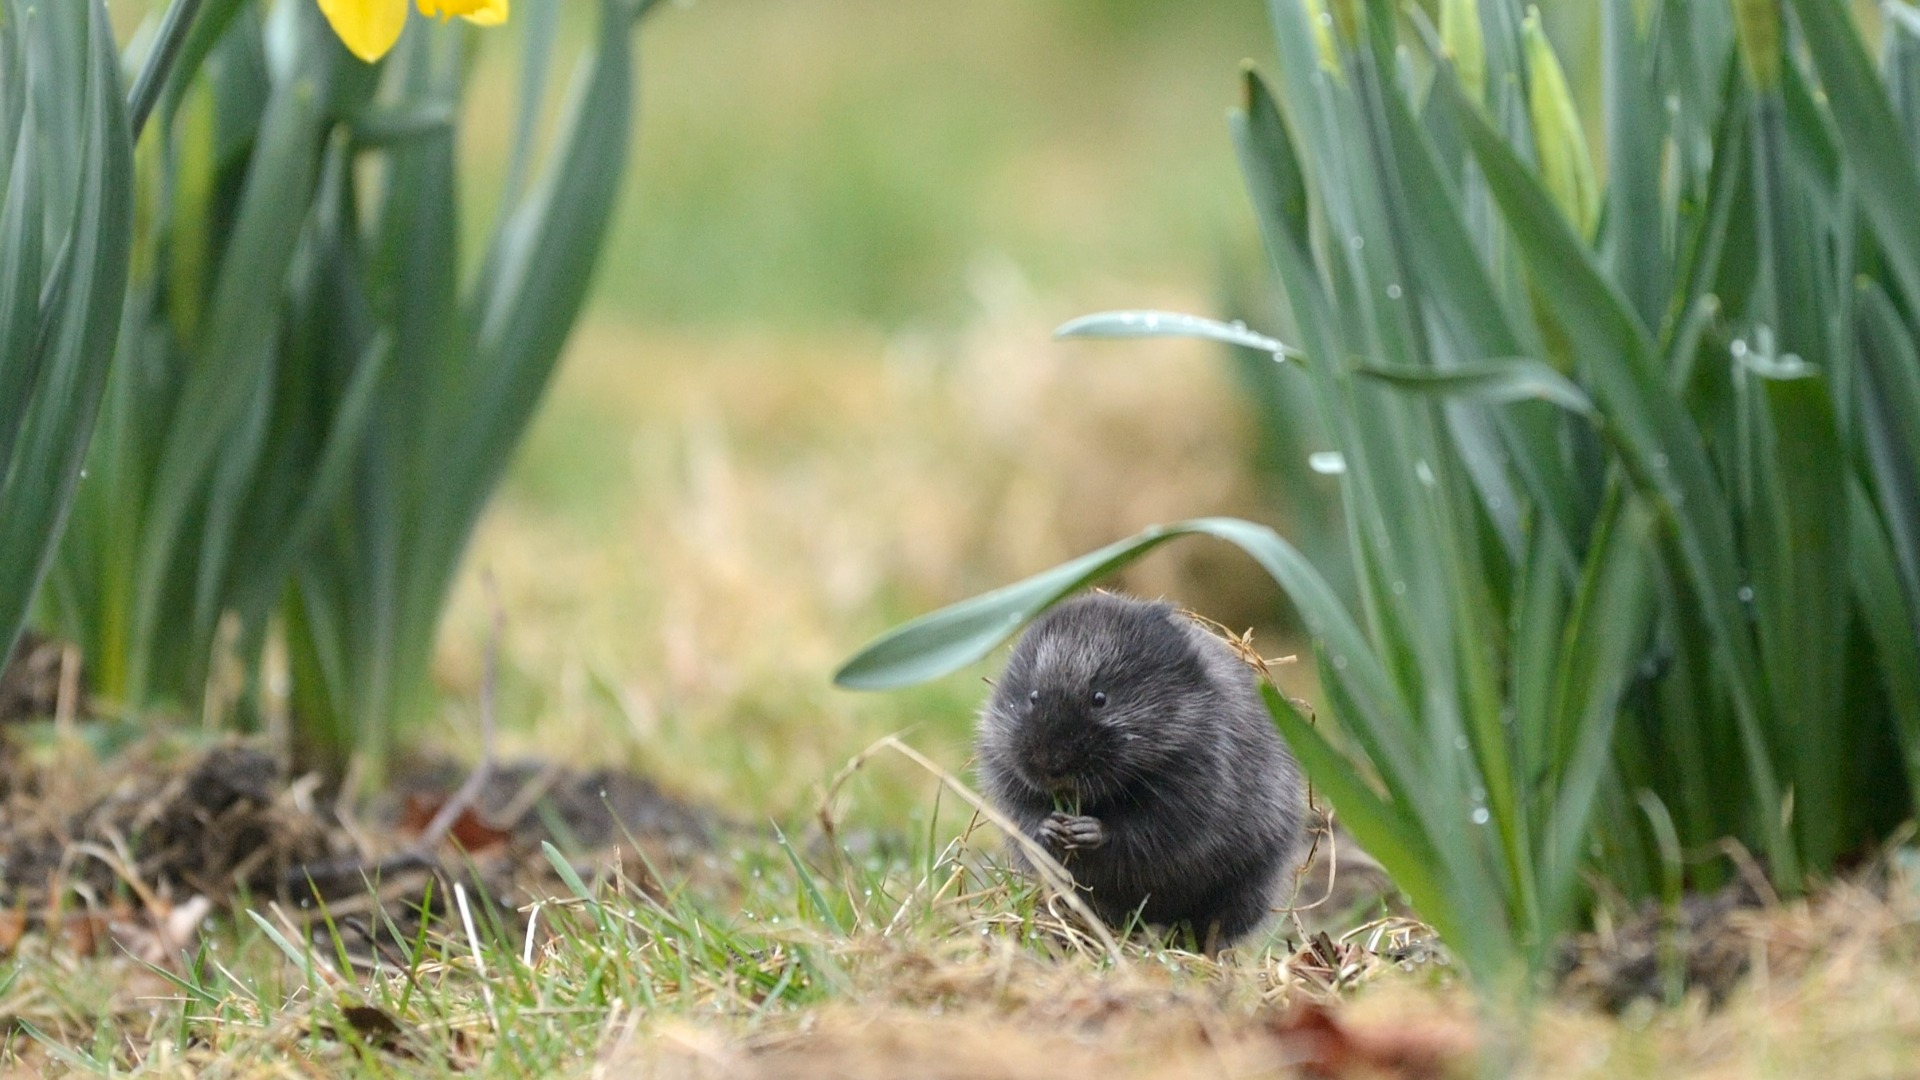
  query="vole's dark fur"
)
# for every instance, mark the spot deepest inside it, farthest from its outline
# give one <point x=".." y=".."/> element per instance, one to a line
<point x="1134" y="745"/>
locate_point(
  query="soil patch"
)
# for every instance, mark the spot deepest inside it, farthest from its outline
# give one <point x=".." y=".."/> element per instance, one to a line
<point x="1663" y="953"/>
<point x="31" y="682"/>
<point x="1048" y="1022"/>
<point x="122" y="842"/>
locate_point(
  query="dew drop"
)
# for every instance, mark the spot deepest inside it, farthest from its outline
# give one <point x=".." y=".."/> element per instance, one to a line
<point x="1358" y="242"/>
<point x="1425" y="472"/>
<point x="1659" y="461"/>
<point x="1327" y="462"/>
<point x="1393" y="292"/>
<point x="1326" y="18"/>
<point x="1399" y="588"/>
<point x="1746" y="594"/>
<point x="1480" y="815"/>
<point x="1738" y="348"/>
<point x="1339" y="662"/>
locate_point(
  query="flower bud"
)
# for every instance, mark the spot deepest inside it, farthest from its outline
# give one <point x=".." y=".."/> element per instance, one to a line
<point x="1461" y="36"/>
<point x="1559" y="139"/>
<point x="1322" y="21"/>
<point x="1757" y="23"/>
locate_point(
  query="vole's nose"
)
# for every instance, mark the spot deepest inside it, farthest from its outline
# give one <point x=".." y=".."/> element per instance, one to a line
<point x="1052" y="766"/>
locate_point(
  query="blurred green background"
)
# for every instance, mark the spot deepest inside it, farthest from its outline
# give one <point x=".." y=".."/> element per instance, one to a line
<point x="816" y="392"/>
<point x="809" y="164"/>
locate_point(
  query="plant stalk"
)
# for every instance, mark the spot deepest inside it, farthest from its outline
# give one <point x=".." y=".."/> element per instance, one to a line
<point x="159" y="63"/>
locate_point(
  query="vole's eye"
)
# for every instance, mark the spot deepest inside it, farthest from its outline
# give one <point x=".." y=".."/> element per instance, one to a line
<point x="1099" y="699"/>
<point x="1033" y="698"/>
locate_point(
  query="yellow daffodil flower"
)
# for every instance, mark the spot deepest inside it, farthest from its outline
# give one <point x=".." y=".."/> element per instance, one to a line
<point x="369" y="28"/>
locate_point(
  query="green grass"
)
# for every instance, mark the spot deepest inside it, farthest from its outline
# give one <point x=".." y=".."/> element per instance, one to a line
<point x="920" y="952"/>
<point x="759" y="935"/>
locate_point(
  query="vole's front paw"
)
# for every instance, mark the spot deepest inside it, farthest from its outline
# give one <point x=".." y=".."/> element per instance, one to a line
<point x="1072" y="832"/>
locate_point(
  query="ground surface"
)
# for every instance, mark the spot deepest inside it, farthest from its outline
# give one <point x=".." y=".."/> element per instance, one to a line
<point x="597" y="927"/>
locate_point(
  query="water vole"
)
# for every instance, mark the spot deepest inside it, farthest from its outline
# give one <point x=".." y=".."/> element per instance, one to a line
<point x="1135" y="746"/>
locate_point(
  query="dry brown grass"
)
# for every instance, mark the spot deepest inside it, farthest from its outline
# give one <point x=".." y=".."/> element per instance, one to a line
<point x="1833" y="991"/>
<point x="1834" y="994"/>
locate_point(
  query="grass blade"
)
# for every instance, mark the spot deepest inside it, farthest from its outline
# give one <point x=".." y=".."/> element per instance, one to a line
<point x="949" y="639"/>
<point x="1887" y="177"/>
<point x="1495" y="381"/>
<point x="302" y="959"/>
<point x="78" y="315"/>
<point x="21" y="265"/>
<point x="1892" y="623"/>
<point x="1148" y="324"/>
<point x="1660" y="445"/>
<point x="225" y="375"/>
<point x="1599" y="651"/>
<point x="1391" y="832"/>
<point x="1889" y="425"/>
<point x="1796" y="534"/>
<point x="807" y="885"/>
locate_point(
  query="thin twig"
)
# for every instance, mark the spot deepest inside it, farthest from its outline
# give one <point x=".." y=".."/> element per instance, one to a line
<point x="479" y="958"/>
<point x="310" y="874"/>
<point x="1300" y="872"/>
<point x="122" y="869"/>
<point x="66" y="702"/>
<point x="533" y="923"/>
<point x="469" y="792"/>
<point x="1051" y="872"/>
